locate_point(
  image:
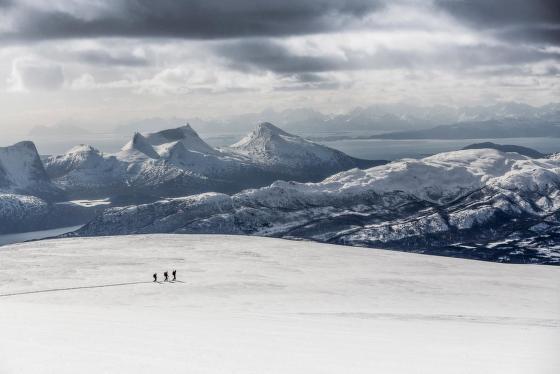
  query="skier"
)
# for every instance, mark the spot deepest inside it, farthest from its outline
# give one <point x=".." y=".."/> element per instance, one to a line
<point x="174" y="275"/>
<point x="155" y="277"/>
<point x="166" y="277"/>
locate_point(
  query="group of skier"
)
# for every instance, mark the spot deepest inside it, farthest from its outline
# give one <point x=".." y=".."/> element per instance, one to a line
<point x="166" y="276"/>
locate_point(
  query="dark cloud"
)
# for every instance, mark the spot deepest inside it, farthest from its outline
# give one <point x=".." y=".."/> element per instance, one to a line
<point x="266" y="55"/>
<point x="99" y="57"/>
<point x="311" y="78"/>
<point x="310" y="86"/>
<point x="525" y="20"/>
<point x="194" y="19"/>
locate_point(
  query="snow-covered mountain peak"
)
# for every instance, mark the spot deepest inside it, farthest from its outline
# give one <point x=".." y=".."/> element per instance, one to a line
<point x="271" y="146"/>
<point x="137" y="149"/>
<point x="22" y="171"/>
<point x="82" y="148"/>
<point x="80" y="156"/>
<point x="263" y="133"/>
<point x="268" y="129"/>
<point x="184" y="134"/>
<point x="20" y="165"/>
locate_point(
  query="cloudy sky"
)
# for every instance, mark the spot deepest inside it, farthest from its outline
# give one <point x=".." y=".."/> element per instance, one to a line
<point x="107" y="61"/>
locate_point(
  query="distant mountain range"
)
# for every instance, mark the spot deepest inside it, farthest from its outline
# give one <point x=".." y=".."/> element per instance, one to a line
<point x="511" y="128"/>
<point x="372" y="119"/>
<point x="387" y="121"/>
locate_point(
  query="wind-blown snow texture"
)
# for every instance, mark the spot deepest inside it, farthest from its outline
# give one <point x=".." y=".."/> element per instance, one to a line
<point x="260" y="305"/>
<point x="481" y="204"/>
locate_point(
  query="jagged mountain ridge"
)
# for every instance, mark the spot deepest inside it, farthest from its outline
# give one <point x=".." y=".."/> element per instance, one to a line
<point x="441" y="205"/>
<point x="178" y="162"/>
<point x="174" y="162"/>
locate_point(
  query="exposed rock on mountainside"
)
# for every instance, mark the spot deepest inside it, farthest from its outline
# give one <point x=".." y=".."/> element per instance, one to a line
<point x="441" y="204"/>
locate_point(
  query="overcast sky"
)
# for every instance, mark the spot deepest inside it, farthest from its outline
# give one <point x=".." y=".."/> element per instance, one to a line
<point x="107" y="61"/>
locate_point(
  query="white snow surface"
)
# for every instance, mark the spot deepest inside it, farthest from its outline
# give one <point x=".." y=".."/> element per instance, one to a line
<point x="87" y="203"/>
<point x="260" y="305"/>
<point x="439" y="178"/>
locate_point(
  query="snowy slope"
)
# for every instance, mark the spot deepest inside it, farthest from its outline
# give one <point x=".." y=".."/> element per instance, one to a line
<point x="138" y="149"/>
<point x="22" y="172"/>
<point x="432" y="205"/>
<point x="257" y="305"/>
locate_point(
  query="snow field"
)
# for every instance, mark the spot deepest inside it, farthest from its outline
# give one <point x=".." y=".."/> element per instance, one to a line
<point x="260" y="305"/>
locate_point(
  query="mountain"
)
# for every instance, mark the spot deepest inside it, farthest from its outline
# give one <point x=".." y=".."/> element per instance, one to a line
<point x="185" y="135"/>
<point x="138" y="149"/>
<point x="85" y="172"/>
<point x="525" y="151"/>
<point x="29" y="200"/>
<point x="177" y="162"/>
<point x="22" y="172"/>
<point x="481" y="204"/>
<point x="273" y="148"/>
<point x="514" y="128"/>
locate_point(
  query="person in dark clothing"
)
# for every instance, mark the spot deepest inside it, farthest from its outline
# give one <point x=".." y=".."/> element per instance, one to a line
<point x="166" y="277"/>
<point x="155" y="277"/>
<point x="174" y="274"/>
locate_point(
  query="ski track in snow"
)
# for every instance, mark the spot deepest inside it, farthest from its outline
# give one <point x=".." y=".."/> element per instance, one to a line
<point x="261" y="305"/>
